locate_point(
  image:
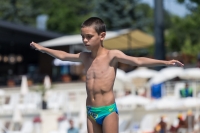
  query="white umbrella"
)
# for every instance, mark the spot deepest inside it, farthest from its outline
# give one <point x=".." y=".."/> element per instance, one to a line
<point x="165" y="103"/>
<point x="169" y="103"/>
<point x="191" y="73"/>
<point x="173" y="103"/>
<point x="132" y="100"/>
<point x="166" y="74"/>
<point x="17" y="116"/>
<point x="82" y="115"/>
<point x="141" y="72"/>
<point x="47" y="82"/>
<point x="120" y="74"/>
<point x="147" y="124"/>
<point x="2" y="92"/>
<point x="172" y="71"/>
<point x="191" y="102"/>
<point x="24" y="86"/>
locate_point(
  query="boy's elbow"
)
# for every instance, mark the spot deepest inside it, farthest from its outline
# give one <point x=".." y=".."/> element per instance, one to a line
<point x="61" y="57"/>
<point x="65" y="56"/>
<point x="138" y="62"/>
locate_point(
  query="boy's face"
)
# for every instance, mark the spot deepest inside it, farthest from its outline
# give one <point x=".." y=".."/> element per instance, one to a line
<point x="91" y="39"/>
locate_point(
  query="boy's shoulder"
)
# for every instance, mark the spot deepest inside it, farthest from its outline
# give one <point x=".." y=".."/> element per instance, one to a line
<point x="114" y="52"/>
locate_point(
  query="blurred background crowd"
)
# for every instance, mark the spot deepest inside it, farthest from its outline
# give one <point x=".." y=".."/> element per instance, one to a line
<point x="40" y="94"/>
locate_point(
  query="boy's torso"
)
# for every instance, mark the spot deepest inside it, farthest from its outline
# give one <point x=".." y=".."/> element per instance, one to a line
<point x="100" y="75"/>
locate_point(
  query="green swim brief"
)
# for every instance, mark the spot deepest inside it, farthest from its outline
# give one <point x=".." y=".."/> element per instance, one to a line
<point x="99" y="113"/>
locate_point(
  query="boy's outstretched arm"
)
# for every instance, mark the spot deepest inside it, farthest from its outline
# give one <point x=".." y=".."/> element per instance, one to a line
<point x="56" y="53"/>
<point x="142" y="61"/>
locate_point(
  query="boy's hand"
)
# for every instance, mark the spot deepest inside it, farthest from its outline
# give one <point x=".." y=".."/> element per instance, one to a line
<point x="36" y="46"/>
<point x="175" y="63"/>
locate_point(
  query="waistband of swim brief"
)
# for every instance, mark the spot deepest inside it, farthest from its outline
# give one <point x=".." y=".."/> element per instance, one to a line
<point x="100" y="107"/>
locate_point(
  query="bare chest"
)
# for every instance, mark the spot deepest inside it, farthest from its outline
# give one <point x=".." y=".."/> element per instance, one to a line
<point x="98" y="68"/>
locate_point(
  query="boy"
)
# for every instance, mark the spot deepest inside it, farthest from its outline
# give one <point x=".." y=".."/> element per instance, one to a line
<point x="100" y="68"/>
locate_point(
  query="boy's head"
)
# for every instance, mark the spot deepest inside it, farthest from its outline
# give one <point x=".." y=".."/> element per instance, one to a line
<point x="96" y="23"/>
<point x="93" y="32"/>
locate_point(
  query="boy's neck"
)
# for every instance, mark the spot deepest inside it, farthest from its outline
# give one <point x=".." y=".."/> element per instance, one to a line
<point x="97" y="52"/>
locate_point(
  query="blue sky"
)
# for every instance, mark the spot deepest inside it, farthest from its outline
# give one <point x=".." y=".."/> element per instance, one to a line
<point x="172" y="6"/>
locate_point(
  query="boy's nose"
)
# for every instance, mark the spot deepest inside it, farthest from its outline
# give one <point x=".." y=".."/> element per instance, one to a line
<point x="85" y="40"/>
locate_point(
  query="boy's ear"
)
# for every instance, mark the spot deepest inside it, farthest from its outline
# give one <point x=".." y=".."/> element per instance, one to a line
<point x="102" y="35"/>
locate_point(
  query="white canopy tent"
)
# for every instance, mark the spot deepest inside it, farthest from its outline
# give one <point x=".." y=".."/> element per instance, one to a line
<point x="58" y="62"/>
<point x="77" y="39"/>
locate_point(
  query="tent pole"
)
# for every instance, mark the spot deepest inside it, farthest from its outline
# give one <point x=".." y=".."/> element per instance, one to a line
<point x="159" y="31"/>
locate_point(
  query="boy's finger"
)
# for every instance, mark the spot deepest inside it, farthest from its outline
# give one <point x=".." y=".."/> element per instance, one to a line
<point x="180" y="64"/>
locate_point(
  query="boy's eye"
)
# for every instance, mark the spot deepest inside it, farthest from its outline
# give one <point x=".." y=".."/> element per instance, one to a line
<point x="89" y="36"/>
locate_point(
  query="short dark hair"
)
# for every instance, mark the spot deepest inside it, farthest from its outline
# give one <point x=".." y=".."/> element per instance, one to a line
<point x="98" y="24"/>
